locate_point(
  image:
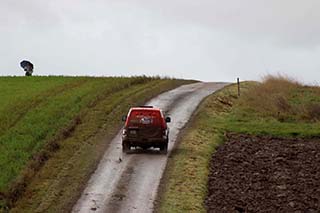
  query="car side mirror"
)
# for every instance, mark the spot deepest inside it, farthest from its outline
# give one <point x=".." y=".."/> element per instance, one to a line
<point x="124" y="118"/>
<point x="168" y="119"/>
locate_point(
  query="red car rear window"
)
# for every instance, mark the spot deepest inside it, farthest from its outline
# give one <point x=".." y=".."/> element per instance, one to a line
<point x="145" y="117"/>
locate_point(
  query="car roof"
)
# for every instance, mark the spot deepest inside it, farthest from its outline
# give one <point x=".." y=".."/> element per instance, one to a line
<point x="145" y="108"/>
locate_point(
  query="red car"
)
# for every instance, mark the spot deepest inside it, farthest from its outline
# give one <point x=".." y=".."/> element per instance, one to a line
<point x="145" y="127"/>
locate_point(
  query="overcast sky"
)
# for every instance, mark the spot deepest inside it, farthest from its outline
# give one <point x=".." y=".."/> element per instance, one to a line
<point x="209" y="40"/>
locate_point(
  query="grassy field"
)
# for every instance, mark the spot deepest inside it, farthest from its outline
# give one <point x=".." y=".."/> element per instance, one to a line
<point x="278" y="106"/>
<point x="56" y="126"/>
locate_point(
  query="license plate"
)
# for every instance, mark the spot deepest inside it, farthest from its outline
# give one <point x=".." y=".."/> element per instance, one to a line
<point x="133" y="132"/>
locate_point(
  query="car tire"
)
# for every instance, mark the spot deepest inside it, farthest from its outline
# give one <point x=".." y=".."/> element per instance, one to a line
<point x="164" y="149"/>
<point x="125" y="147"/>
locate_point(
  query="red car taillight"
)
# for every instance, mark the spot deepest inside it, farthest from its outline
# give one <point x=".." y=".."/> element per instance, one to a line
<point x="124" y="132"/>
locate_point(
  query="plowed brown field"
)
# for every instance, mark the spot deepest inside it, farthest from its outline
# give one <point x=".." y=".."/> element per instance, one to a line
<point x="265" y="174"/>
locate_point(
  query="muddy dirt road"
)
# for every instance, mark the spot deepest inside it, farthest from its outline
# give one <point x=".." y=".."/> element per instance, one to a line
<point x="129" y="182"/>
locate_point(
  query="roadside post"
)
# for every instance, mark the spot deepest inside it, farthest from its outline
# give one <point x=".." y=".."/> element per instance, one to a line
<point x="238" y="82"/>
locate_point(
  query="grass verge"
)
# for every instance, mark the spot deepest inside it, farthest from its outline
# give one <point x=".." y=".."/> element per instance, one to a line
<point x="279" y="107"/>
<point x="185" y="180"/>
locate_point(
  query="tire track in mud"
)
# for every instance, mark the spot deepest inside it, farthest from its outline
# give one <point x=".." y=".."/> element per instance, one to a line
<point x="121" y="189"/>
<point x="129" y="182"/>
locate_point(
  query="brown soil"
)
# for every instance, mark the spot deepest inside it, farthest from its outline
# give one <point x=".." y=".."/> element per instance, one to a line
<point x="265" y="174"/>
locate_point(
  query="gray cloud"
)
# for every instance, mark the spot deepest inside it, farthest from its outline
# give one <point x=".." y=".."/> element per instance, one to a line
<point x="286" y="21"/>
<point x="208" y="40"/>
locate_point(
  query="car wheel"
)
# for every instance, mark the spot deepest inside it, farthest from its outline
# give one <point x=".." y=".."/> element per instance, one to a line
<point x="125" y="147"/>
<point x="164" y="149"/>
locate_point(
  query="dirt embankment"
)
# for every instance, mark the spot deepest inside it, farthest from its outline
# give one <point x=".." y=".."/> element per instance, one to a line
<point x="265" y="174"/>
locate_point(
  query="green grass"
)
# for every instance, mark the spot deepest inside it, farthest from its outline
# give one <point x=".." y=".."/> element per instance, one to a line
<point x="185" y="180"/>
<point x="17" y="100"/>
<point x="30" y="119"/>
<point x="279" y="107"/>
<point x="48" y="119"/>
<point x="258" y="111"/>
<point x="273" y="127"/>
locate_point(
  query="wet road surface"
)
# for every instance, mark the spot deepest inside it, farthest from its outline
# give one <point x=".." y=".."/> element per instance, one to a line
<point x="129" y="182"/>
